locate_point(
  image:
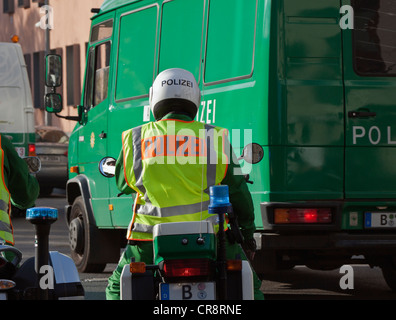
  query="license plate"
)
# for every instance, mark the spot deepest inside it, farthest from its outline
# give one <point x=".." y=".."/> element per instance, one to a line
<point x="380" y="220"/>
<point x="50" y="158"/>
<point x="188" y="291"/>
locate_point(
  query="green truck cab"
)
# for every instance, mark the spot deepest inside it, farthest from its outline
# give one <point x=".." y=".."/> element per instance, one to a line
<point x="310" y="83"/>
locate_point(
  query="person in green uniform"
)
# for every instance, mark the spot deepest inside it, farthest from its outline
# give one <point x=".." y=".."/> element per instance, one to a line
<point x="17" y="187"/>
<point x="170" y="164"/>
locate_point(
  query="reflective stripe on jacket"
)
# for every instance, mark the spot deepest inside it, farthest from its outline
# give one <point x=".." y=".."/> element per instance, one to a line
<point x="6" y="231"/>
<point x="168" y="163"/>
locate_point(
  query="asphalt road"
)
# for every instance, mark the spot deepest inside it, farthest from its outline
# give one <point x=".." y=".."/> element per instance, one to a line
<point x="299" y="283"/>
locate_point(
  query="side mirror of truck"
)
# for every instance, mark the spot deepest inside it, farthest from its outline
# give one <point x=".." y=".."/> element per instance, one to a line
<point x="53" y="70"/>
<point x="53" y="79"/>
<point x="53" y="102"/>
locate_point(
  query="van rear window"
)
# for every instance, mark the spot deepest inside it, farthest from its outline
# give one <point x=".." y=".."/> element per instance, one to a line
<point x="181" y="46"/>
<point x="230" y="40"/>
<point x="374" y="37"/>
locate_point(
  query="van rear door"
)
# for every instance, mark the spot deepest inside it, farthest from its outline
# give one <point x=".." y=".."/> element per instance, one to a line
<point x="16" y="107"/>
<point x="370" y="100"/>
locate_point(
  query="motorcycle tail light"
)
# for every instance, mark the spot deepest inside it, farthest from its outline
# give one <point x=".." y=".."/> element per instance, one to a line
<point x="187" y="268"/>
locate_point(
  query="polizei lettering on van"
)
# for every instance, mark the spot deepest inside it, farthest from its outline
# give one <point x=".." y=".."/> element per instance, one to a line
<point x="177" y="82"/>
<point x="373" y="134"/>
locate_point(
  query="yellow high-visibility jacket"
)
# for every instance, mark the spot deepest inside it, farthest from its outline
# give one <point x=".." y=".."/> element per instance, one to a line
<point x="6" y="232"/>
<point x="240" y="196"/>
<point x="171" y="164"/>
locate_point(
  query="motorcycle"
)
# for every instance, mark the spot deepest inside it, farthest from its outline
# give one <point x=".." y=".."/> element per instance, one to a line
<point x="189" y="258"/>
<point x="47" y="275"/>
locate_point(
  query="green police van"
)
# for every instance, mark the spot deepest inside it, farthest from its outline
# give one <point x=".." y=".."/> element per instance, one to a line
<point x="309" y="87"/>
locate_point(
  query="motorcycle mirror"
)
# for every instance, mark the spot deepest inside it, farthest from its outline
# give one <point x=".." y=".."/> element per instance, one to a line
<point x="107" y="167"/>
<point x="33" y="163"/>
<point x="252" y="153"/>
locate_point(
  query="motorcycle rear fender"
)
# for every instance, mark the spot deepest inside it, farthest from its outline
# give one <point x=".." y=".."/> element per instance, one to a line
<point x="67" y="282"/>
<point x="141" y="286"/>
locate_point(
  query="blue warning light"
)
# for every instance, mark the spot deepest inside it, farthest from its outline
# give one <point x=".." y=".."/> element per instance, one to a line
<point x="219" y="199"/>
<point x="42" y="213"/>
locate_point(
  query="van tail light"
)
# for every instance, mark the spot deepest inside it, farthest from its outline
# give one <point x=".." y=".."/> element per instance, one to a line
<point x="181" y="268"/>
<point x="31" y="150"/>
<point x="302" y="215"/>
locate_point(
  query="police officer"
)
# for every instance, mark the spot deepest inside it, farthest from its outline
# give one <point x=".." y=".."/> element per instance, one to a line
<point x="17" y="187"/>
<point x="170" y="164"/>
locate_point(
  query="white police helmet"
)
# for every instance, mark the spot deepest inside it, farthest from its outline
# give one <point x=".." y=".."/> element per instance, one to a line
<point x="174" y="90"/>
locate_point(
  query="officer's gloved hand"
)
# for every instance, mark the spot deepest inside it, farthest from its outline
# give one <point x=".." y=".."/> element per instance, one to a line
<point x="249" y="246"/>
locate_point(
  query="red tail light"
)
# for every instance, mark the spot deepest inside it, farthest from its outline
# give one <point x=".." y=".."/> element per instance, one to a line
<point x="31" y="150"/>
<point x="302" y="215"/>
<point x="187" y="268"/>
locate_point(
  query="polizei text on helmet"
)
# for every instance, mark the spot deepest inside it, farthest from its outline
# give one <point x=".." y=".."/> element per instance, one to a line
<point x="177" y="82"/>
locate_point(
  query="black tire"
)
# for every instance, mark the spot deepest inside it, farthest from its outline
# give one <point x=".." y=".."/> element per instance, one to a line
<point x="82" y="237"/>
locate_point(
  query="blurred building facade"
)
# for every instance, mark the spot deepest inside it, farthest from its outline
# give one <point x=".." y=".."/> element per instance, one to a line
<point x="26" y="21"/>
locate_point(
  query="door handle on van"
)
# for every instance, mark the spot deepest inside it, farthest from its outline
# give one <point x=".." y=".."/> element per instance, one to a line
<point x="103" y="135"/>
<point x="361" y="114"/>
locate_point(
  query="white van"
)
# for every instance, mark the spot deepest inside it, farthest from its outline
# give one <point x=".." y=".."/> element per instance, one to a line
<point x="16" y="106"/>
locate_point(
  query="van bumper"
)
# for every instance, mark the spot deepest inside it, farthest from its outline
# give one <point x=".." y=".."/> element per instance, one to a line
<point x="321" y="252"/>
<point x="347" y="242"/>
<point x="320" y="246"/>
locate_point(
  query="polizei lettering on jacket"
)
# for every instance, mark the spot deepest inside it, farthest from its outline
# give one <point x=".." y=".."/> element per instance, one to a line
<point x="173" y="145"/>
<point x="177" y="82"/>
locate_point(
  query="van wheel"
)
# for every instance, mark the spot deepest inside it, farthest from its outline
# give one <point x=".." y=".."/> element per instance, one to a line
<point x="82" y="238"/>
<point x="389" y="273"/>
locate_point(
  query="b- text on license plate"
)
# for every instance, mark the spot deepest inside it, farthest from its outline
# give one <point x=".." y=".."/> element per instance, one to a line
<point x="380" y="220"/>
<point x="188" y="291"/>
